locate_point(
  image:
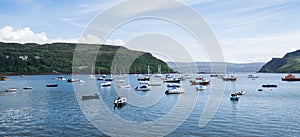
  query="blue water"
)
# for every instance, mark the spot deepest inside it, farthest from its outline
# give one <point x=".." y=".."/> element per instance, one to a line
<point x="45" y="111"/>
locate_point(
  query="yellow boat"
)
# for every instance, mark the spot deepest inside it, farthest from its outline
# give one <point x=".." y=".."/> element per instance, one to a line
<point x="3" y="78"/>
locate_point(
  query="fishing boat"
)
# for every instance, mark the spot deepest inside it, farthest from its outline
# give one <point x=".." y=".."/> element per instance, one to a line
<point x="105" y="84"/>
<point x="52" y="85"/>
<point x="94" y="96"/>
<point x="174" y="91"/>
<point x="240" y="92"/>
<point x="28" y="87"/>
<point x="252" y="76"/>
<point x="200" y="82"/>
<point x="143" y="88"/>
<point x="173" y="85"/>
<point x="145" y="78"/>
<point x="269" y="86"/>
<point x="120" y="101"/>
<point x="71" y="80"/>
<point x="124" y="86"/>
<point x="234" y="97"/>
<point x="10" y="90"/>
<point x="3" y="78"/>
<point x="290" y="77"/>
<point x="120" y="81"/>
<point x="154" y="83"/>
<point x="201" y="87"/>
<point x="231" y="78"/>
<point x="172" y="80"/>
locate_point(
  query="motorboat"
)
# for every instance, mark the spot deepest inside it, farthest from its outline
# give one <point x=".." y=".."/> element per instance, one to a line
<point x="269" y="86"/>
<point x="240" y="92"/>
<point x="252" y="76"/>
<point x="3" y="78"/>
<point x="143" y="88"/>
<point x="173" y="85"/>
<point x="234" y="97"/>
<point x="109" y="79"/>
<point x="71" y="80"/>
<point x="52" y="85"/>
<point x="200" y="82"/>
<point x="94" y="96"/>
<point x="60" y="78"/>
<point x="120" y="81"/>
<point x="120" y="101"/>
<point x="174" y="91"/>
<point x="290" y="77"/>
<point x="28" y="87"/>
<point x="124" y="86"/>
<point x="10" y="90"/>
<point x="172" y="80"/>
<point x="201" y="87"/>
<point x="154" y="83"/>
<point x="145" y="78"/>
<point x="105" y="84"/>
<point x="231" y="78"/>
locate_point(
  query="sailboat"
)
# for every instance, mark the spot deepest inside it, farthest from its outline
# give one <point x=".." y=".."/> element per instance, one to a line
<point x="158" y="75"/>
<point x="234" y="96"/>
<point x="148" y="71"/>
<point x="92" y="76"/>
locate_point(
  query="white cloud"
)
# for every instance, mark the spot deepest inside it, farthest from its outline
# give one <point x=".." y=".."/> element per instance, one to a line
<point x="8" y="34"/>
<point x="26" y="35"/>
<point x="260" y="48"/>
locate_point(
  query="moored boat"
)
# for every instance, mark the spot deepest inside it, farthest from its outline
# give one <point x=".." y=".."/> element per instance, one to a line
<point x="10" y="90"/>
<point x="94" y="96"/>
<point x="120" y="101"/>
<point x="174" y="91"/>
<point x="234" y="97"/>
<point x="173" y="80"/>
<point x="269" y="86"/>
<point x="124" y="86"/>
<point x="252" y="76"/>
<point x="143" y="88"/>
<point x="231" y="78"/>
<point x="3" y="78"/>
<point x="240" y="92"/>
<point x="105" y="84"/>
<point x="71" y="80"/>
<point x="201" y="87"/>
<point x="201" y="82"/>
<point x="290" y="77"/>
<point x="28" y="87"/>
<point x="173" y="85"/>
<point x="145" y="78"/>
<point x="52" y="85"/>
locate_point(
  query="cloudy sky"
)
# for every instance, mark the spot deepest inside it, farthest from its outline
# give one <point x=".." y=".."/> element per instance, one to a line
<point x="248" y="31"/>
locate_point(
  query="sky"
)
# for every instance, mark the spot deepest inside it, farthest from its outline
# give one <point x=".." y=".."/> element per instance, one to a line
<point x="247" y="31"/>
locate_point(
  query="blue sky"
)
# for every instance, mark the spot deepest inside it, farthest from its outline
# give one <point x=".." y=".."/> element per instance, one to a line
<point x="248" y="31"/>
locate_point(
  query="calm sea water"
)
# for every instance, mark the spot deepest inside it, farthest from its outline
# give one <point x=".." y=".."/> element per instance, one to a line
<point x="44" y="111"/>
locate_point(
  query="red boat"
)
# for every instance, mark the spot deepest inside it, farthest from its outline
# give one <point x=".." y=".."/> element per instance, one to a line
<point x="290" y="77"/>
<point x="52" y="85"/>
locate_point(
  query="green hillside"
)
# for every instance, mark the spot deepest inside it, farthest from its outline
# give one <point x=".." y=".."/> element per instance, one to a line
<point x="290" y="63"/>
<point x="34" y="58"/>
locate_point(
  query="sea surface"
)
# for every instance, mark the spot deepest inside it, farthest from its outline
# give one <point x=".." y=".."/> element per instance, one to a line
<point x="55" y="111"/>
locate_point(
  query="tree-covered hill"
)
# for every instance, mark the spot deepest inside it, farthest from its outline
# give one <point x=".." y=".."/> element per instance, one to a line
<point x="32" y="58"/>
<point x="290" y="63"/>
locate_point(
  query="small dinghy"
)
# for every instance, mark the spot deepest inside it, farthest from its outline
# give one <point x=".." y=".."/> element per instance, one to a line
<point x="28" y="87"/>
<point x="120" y="101"/>
<point x="201" y="87"/>
<point x="234" y="97"/>
<point x="174" y="91"/>
<point x="94" y="96"/>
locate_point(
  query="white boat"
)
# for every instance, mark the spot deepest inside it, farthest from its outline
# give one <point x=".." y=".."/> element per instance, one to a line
<point x="143" y="88"/>
<point x="240" y="92"/>
<point x="10" y="90"/>
<point x="91" y="77"/>
<point x="144" y="82"/>
<point x="154" y="83"/>
<point x="105" y="84"/>
<point x="201" y="87"/>
<point x="80" y="81"/>
<point x="234" y="97"/>
<point x="120" y="81"/>
<point x="120" y="101"/>
<point x="173" y="85"/>
<point x="252" y="76"/>
<point x="174" y="91"/>
<point x="28" y="87"/>
<point x="124" y="86"/>
<point x="94" y="96"/>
